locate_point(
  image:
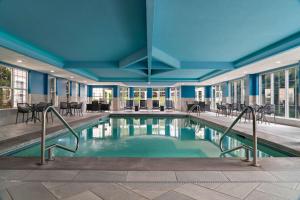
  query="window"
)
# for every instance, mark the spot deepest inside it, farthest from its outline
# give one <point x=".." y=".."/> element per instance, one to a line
<point x="266" y="89"/>
<point x="123" y="96"/>
<point x="139" y="94"/>
<point x="102" y="94"/>
<point x="200" y="93"/>
<point x="5" y="87"/>
<point x="13" y="86"/>
<point x="279" y="92"/>
<point x="20" y="86"/>
<point x="293" y="92"/>
<point x="159" y="94"/>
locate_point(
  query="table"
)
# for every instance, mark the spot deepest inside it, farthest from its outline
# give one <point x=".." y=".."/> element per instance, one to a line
<point x="136" y="108"/>
<point x="162" y="108"/>
<point x="33" y="116"/>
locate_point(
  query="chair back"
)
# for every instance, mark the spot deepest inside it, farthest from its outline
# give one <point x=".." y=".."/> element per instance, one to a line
<point x="155" y="103"/>
<point x="63" y="105"/>
<point x="143" y="103"/>
<point x="129" y="103"/>
<point x="169" y="103"/>
<point x="23" y="107"/>
<point x="79" y="106"/>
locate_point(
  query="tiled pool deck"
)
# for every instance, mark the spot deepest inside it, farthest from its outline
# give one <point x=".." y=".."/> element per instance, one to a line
<point x="122" y="178"/>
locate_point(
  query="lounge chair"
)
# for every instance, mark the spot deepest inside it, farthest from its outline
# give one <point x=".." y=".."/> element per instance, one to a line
<point x="143" y="104"/>
<point x="155" y="104"/>
<point x="129" y="104"/>
<point x="169" y="105"/>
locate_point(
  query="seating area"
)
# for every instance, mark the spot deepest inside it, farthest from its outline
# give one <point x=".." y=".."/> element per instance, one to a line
<point x="142" y="105"/>
<point x="234" y="109"/>
<point x="34" y="112"/>
<point x="98" y="106"/>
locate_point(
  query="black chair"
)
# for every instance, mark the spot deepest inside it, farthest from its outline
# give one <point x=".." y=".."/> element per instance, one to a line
<point x="202" y="106"/>
<point x="143" y="104"/>
<point x="129" y="104"/>
<point x="269" y="109"/>
<point x="63" y="106"/>
<point x="155" y="104"/>
<point x="40" y="108"/>
<point x="220" y="109"/>
<point x="236" y="108"/>
<point x="73" y="106"/>
<point x="78" y="108"/>
<point x="169" y="105"/>
<point x="104" y="106"/>
<point x="23" y="108"/>
<point x="94" y="106"/>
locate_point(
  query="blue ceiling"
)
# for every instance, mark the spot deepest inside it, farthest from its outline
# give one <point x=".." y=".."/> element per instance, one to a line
<point x="149" y="40"/>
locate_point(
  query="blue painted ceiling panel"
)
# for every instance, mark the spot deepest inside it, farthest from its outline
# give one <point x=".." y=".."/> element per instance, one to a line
<point x="190" y="40"/>
<point x="222" y="30"/>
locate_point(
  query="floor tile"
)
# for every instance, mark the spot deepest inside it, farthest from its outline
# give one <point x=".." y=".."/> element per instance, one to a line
<point x="151" y="190"/>
<point x="279" y="191"/>
<point x="112" y="191"/>
<point x="71" y="189"/>
<point x="84" y="196"/>
<point x="209" y="185"/>
<point x="257" y="195"/>
<point x="172" y="195"/>
<point x="292" y="186"/>
<point x="249" y="176"/>
<point x="50" y="185"/>
<point x="13" y="174"/>
<point x="200" y="176"/>
<point x="4" y="195"/>
<point x="201" y="193"/>
<point x="6" y="184"/>
<point x="105" y="176"/>
<point x="51" y="175"/>
<point x="151" y="176"/>
<point x="287" y="175"/>
<point x="239" y="190"/>
<point x="30" y="191"/>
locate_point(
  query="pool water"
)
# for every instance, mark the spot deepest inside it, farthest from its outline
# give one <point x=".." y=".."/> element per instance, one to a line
<point x="147" y="137"/>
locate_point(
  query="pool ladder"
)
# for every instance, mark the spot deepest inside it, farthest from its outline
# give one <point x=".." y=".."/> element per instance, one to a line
<point x="243" y="146"/>
<point x="49" y="148"/>
<point x="197" y="107"/>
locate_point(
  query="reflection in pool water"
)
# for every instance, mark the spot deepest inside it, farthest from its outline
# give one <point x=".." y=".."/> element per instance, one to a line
<point x="148" y="137"/>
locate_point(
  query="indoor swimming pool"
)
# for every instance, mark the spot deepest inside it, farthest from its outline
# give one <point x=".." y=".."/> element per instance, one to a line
<point x="148" y="137"/>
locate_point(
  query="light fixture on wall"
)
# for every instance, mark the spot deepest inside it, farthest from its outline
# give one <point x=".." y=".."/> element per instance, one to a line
<point x="278" y="62"/>
<point x="52" y="71"/>
<point x="19" y="61"/>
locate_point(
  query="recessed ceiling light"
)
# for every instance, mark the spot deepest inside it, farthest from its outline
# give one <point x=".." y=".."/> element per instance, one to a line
<point x="19" y="61"/>
<point x="278" y="62"/>
<point x="71" y="76"/>
<point x="85" y="81"/>
<point x="52" y="71"/>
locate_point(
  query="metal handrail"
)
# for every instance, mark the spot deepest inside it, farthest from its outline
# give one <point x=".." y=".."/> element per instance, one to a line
<point x="198" y="109"/>
<point x="246" y="147"/>
<point x="43" y="137"/>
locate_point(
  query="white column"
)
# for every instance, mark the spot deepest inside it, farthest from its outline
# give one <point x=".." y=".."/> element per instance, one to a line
<point x="259" y="90"/>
